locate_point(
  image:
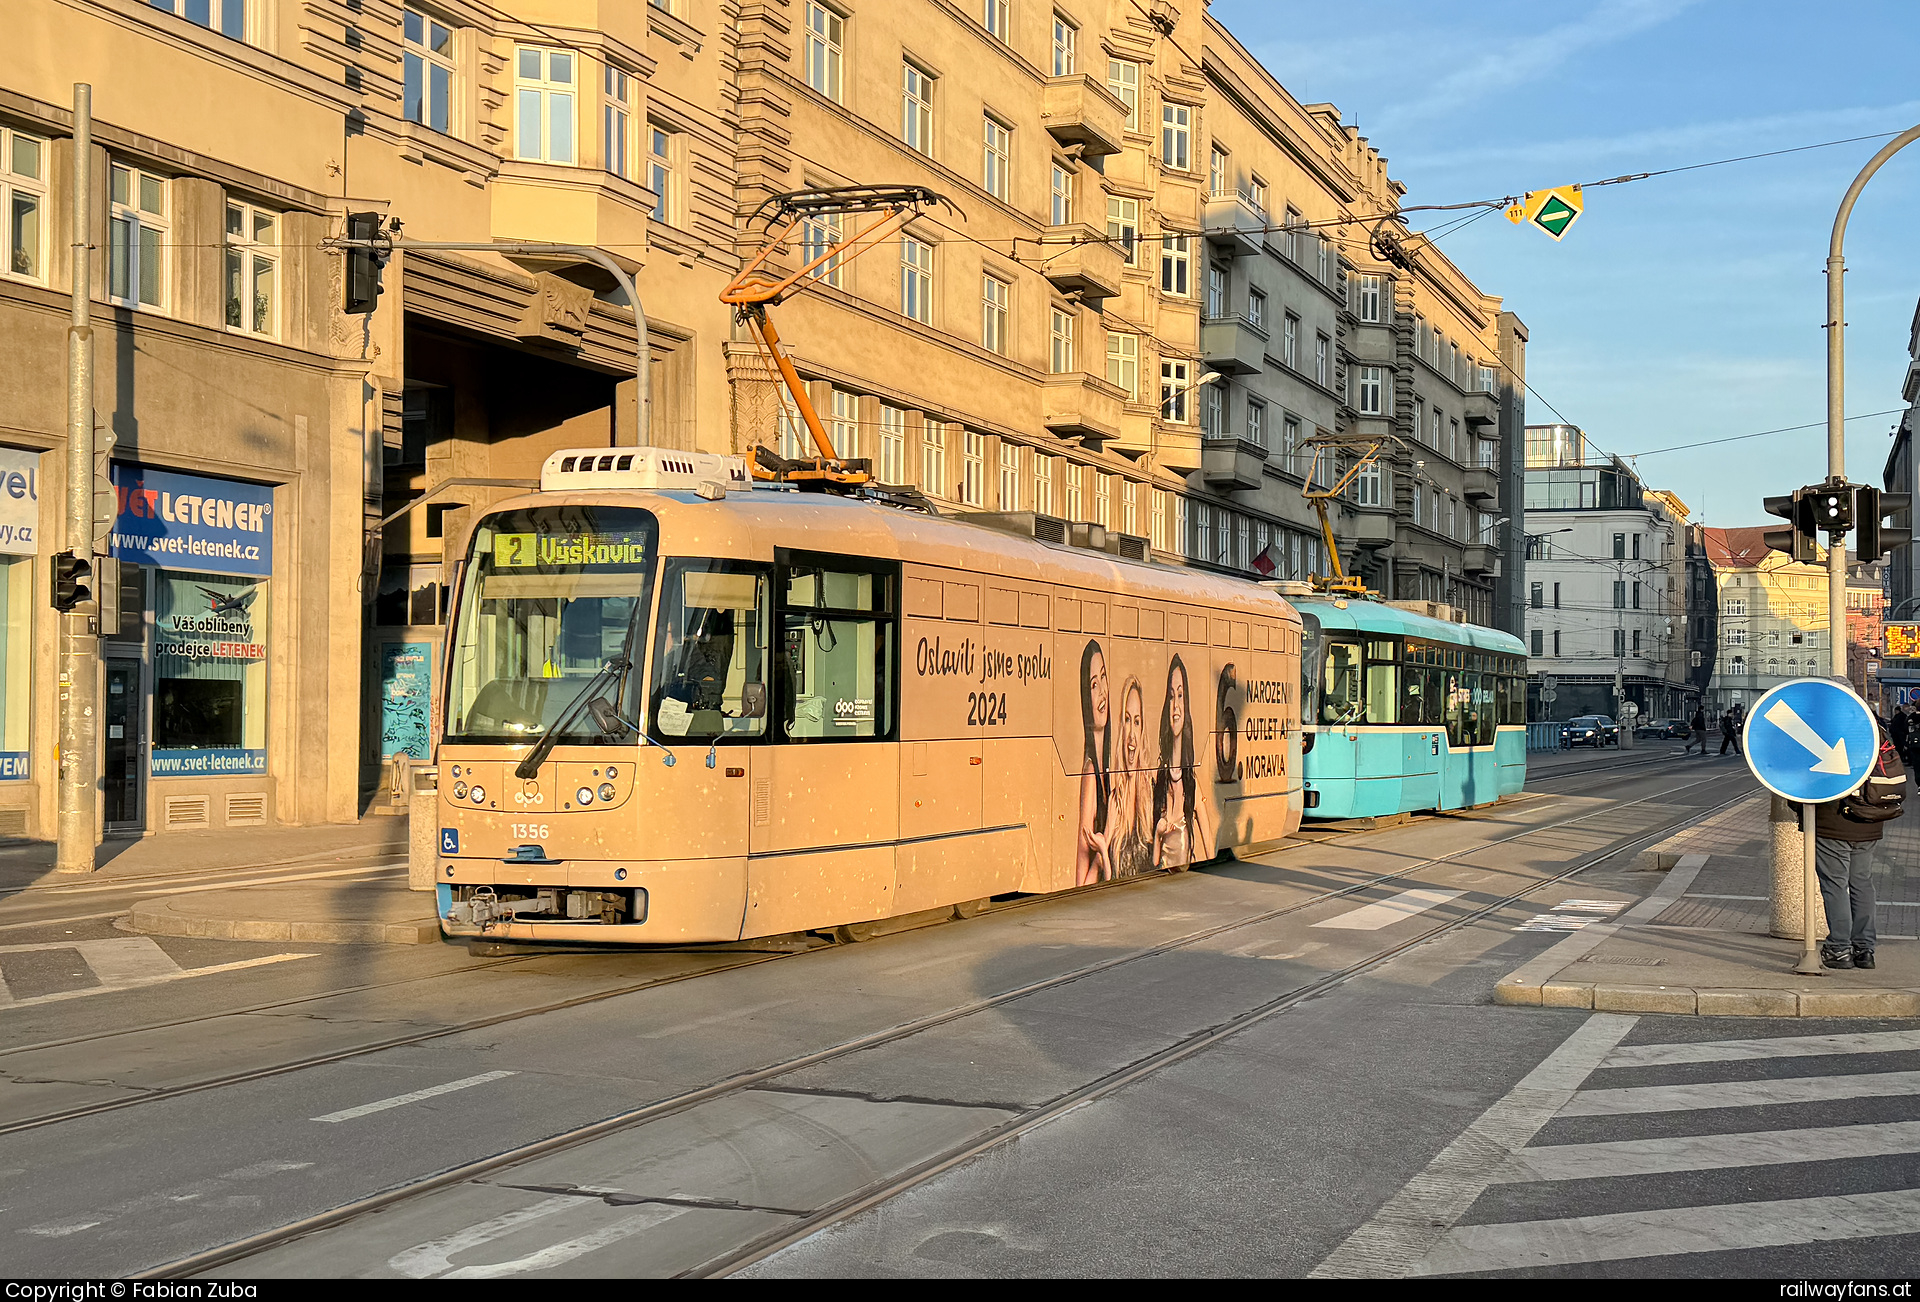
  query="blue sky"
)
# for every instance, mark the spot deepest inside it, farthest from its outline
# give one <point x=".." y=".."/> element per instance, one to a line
<point x="1681" y="308"/>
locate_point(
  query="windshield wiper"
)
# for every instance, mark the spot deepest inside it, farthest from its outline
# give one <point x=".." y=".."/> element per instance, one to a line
<point x="530" y="766"/>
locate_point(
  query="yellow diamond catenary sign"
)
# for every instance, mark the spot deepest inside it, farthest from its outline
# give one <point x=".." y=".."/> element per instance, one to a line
<point x="1552" y="211"/>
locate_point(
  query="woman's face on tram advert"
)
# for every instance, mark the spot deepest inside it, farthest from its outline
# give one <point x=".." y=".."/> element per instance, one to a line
<point x="1133" y="728"/>
<point x="1177" y="696"/>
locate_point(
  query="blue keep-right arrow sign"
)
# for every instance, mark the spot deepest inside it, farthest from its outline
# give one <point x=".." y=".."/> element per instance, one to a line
<point x="1811" y="740"/>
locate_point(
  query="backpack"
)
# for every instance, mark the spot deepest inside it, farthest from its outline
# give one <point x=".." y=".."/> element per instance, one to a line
<point x="1882" y="797"/>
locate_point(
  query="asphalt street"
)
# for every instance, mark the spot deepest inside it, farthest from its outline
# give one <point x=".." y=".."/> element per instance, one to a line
<point x="1235" y="1071"/>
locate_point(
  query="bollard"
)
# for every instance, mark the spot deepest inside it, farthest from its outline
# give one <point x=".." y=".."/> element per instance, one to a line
<point x="423" y="825"/>
<point x="1788" y="846"/>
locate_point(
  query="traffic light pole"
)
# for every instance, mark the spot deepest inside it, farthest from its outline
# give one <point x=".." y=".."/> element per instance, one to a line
<point x="77" y="819"/>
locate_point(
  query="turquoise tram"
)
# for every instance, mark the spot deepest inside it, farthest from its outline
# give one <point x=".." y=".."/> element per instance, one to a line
<point x="1402" y="713"/>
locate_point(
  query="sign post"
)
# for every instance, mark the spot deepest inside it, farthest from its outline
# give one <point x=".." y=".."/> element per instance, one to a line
<point x="1811" y="741"/>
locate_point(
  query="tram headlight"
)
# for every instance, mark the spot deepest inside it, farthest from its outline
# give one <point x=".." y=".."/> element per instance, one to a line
<point x="606" y="793"/>
<point x="613" y="771"/>
<point x="619" y="874"/>
<point x="584" y="796"/>
<point x="459" y="791"/>
<point x="478" y="795"/>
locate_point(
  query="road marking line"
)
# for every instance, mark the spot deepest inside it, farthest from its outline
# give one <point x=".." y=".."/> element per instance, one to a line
<point x="1411" y="1222"/>
<point x="1384" y="913"/>
<point x="150" y="885"/>
<point x="61" y="1231"/>
<point x="643" y="1218"/>
<point x="1706" y="1152"/>
<point x="124" y="961"/>
<point x="434" y="1258"/>
<point x="414" y="1096"/>
<point x="1787" y="1046"/>
<point x="1740" y="1094"/>
<point x="1673" y="1231"/>
<point x="180" y="975"/>
<point x="1691" y="895"/>
<point x="54" y="922"/>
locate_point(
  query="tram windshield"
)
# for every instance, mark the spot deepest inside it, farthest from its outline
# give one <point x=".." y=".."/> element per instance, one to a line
<point x="551" y="596"/>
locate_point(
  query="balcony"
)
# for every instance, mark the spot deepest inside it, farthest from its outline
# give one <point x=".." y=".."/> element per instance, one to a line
<point x="1090" y="267"/>
<point x="1483" y="409"/>
<point x="1082" y="406"/>
<point x="1480" y="559"/>
<point x="1483" y="487"/>
<point x="1229" y="464"/>
<point x="1232" y="345"/>
<point x="1078" y="110"/>
<point x="1374" y="529"/>
<point x="1232" y="225"/>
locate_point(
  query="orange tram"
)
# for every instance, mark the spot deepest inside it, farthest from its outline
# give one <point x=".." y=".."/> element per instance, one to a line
<point x="682" y="707"/>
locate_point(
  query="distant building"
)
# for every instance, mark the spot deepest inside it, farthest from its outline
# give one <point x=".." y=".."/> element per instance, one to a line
<point x="1866" y="604"/>
<point x="1773" y="618"/>
<point x="1607" y="585"/>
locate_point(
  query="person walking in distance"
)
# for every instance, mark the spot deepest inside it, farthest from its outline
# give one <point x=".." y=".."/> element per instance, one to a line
<point x="1846" y="831"/>
<point x="1900" y="728"/>
<point x="1728" y="727"/>
<point x="1697" y="731"/>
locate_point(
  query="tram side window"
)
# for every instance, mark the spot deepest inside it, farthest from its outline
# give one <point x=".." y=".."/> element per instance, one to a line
<point x="710" y="664"/>
<point x="1516" y="716"/>
<point x="1340" y="684"/>
<point x="836" y="653"/>
<point x="1460" y="730"/>
<point x="1383" y="683"/>
<point x="1485" y="720"/>
<point x="1419" y="702"/>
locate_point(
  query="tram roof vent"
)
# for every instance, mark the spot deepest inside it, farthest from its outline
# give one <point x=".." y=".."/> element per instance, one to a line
<point x="1290" y="587"/>
<point x="656" y="468"/>
<point x="1027" y="524"/>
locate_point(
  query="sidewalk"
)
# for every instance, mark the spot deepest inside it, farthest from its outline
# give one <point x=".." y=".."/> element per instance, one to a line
<point x="31" y="863"/>
<point x="1703" y="935"/>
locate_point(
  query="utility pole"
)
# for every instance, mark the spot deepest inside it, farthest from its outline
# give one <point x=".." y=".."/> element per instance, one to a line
<point x="79" y="633"/>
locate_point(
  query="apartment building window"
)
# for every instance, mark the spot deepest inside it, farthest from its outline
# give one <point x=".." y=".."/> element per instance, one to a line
<point x="993" y="17"/>
<point x="1556" y="644"/>
<point x="1157" y="519"/>
<point x="1060" y="198"/>
<point x="933" y="459"/>
<point x="1176" y="136"/>
<point x="1619" y="641"/>
<point x="1453" y="518"/>
<point x="662" y="175"/>
<point x="1433" y="434"/>
<point x="1619" y="594"/>
<point x="1289" y="440"/>
<point x="1636" y="641"/>
<point x="792" y="441"/>
<point x="1367" y="297"/>
<point x="893" y="445"/>
<point x="843" y="423"/>
<point x="1256" y="193"/>
<point x="1043" y="472"/>
<point x="1123" y="79"/>
<point x="1256" y="309"/>
<point x="1367" y="485"/>
<point x="916" y="280"/>
<point x="1066" y="39"/>
<point x="1219" y="173"/>
<point x="1636" y="595"/>
<point x="1213" y="411"/>
<point x="995" y="294"/>
<point x="1123" y="362"/>
<point x="1256" y="422"/>
<point x="1319" y="257"/>
<point x="1060" y="342"/>
<point x="1202" y="531"/>
<point x="1369" y="389"/>
<point x="973" y="468"/>
<point x="1129" y="507"/>
<point x="1538" y="596"/>
<point x="427" y="69"/>
<point x="1290" y="342"/>
<point x="228" y="17"/>
<point x="1175" y="383"/>
<point x="1103" y="499"/>
<point x="1216" y="292"/>
<point x="1636" y="547"/>
<point x="1419" y="507"/>
<point x="1537" y="640"/>
<point x="1076" y="499"/>
<point x="252" y="269"/>
<point x="995" y="156"/>
<point x="23" y="200"/>
<point x="1176" y="266"/>
<point x="137" y="238"/>
<point x="1009" y="476"/>
<point x="1290" y="234"/>
<point x="543" y="102"/>
<point x="1556" y="596"/>
<point x="820" y="234"/>
<point x="1323" y="361"/>
<point x="616" y="121"/>
<point x="916" y="108"/>
<point x="1453" y="437"/>
<point x="1123" y="226"/>
<point x="1619" y="547"/>
<point x="826" y="30"/>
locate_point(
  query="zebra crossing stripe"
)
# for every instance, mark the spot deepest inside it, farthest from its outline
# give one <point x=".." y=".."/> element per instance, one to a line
<point x="1414" y="1220"/>
<point x="1668" y="1231"/>
<point x="1707" y="1152"/>
<point x="1740" y="1094"/>
<point x="1786" y="1046"/>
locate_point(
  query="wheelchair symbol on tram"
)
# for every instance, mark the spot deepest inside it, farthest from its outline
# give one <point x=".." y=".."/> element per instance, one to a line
<point x="449" y="840"/>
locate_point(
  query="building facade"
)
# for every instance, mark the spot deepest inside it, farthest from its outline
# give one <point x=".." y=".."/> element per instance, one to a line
<point x="1866" y="638"/>
<point x="1606" y="585"/>
<point x="1161" y="275"/>
<point x="1773" y="618"/>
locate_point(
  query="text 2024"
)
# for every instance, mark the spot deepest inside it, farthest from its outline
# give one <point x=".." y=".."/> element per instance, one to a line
<point x="986" y="708"/>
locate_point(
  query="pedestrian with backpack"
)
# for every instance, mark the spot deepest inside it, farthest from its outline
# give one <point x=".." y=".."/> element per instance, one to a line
<point x="1846" y="832"/>
<point x="1697" y="731"/>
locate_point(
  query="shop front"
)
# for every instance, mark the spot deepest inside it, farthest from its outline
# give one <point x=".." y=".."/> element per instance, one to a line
<point x="19" y="548"/>
<point x="185" y="705"/>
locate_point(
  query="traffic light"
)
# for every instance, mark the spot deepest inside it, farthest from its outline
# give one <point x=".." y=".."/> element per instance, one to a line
<point x="72" y="580"/>
<point x="1801" y="542"/>
<point x="363" y="262"/>
<point x="1870" y="507"/>
<point x="1832" y="507"/>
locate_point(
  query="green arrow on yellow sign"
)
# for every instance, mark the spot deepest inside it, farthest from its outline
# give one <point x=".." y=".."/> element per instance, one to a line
<point x="1552" y="211"/>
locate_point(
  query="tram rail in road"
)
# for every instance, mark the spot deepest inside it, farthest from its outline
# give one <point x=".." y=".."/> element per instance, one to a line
<point x="741" y="1254"/>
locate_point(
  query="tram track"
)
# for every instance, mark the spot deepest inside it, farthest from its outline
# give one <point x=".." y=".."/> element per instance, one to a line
<point x="882" y="1190"/>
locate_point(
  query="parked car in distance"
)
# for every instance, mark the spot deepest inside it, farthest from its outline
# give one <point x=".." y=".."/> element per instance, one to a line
<point x="1659" y="728"/>
<point x="1594" y="730"/>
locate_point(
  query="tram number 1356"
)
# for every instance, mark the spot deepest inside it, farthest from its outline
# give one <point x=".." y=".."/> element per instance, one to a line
<point x="531" y="831"/>
<point x="988" y="708"/>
